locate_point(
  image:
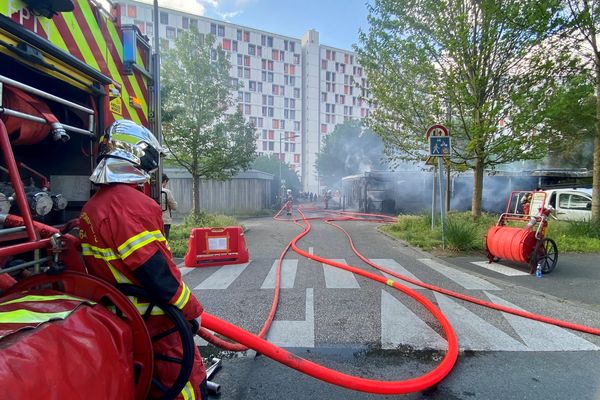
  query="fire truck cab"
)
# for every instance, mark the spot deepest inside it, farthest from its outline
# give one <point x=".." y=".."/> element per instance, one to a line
<point x="68" y="69"/>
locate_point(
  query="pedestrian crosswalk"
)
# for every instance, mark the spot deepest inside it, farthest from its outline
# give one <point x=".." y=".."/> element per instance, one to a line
<point x="335" y="278"/>
<point x="399" y="325"/>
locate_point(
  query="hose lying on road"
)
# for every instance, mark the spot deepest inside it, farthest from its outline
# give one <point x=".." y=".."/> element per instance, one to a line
<point x="247" y="340"/>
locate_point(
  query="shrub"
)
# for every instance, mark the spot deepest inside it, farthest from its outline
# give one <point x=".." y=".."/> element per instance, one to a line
<point x="460" y="236"/>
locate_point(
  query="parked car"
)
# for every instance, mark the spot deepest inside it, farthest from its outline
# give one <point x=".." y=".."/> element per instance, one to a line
<point x="570" y="204"/>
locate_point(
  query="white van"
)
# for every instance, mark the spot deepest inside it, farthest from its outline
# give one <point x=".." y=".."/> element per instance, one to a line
<point x="570" y="204"/>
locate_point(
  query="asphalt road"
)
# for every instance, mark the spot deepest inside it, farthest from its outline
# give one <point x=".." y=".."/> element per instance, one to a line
<point x="360" y="327"/>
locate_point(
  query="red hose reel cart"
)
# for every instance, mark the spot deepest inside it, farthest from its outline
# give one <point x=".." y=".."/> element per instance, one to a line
<point x="523" y="244"/>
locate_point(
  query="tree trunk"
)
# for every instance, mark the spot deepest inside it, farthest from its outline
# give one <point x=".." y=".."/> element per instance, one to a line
<point x="596" y="168"/>
<point x="477" y="188"/>
<point x="196" y="195"/>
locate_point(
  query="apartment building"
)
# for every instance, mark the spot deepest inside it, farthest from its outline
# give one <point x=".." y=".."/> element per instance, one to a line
<point x="293" y="90"/>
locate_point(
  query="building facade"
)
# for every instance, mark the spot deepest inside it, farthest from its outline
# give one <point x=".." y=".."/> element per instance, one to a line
<point x="293" y="90"/>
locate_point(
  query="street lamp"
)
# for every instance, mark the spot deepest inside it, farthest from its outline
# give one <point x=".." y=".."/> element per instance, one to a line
<point x="281" y="137"/>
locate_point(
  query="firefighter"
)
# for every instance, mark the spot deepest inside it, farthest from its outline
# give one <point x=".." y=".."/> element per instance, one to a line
<point x="122" y="242"/>
<point x="168" y="204"/>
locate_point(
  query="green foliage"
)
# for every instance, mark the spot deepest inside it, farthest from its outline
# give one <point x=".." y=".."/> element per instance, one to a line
<point x="350" y="149"/>
<point x="460" y="236"/>
<point x="466" y="233"/>
<point x="272" y="165"/>
<point x="480" y="59"/>
<point x="180" y="234"/>
<point x="581" y="36"/>
<point x="200" y="131"/>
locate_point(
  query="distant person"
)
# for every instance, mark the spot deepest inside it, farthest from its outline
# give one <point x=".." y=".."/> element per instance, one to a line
<point x="167" y="204"/>
<point x="526" y="203"/>
<point x="326" y="198"/>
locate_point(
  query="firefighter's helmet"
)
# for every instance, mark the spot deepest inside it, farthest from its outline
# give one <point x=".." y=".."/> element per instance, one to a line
<point x="128" y="153"/>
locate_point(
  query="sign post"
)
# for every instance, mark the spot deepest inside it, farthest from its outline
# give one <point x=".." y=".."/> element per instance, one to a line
<point x="440" y="146"/>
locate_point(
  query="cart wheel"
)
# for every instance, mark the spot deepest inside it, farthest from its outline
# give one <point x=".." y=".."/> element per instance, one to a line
<point x="546" y="252"/>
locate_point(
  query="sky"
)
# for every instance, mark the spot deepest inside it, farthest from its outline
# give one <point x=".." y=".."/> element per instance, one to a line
<point x="337" y="21"/>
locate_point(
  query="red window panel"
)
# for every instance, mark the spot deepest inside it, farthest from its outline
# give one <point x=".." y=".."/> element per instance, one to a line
<point x="275" y="55"/>
<point x="271" y="135"/>
<point x="346" y="89"/>
<point x="292" y="70"/>
<point x="323" y="128"/>
<point x="296" y="158"/>
<point x="131" y="11"/>
<point x="247" y="61"/>
<point x="323" y="64"/>
<point x="346" y="58"/>
<point x="246" y="36"/>
<point x="275" y="89"/>
<point x="328" y="54"/>
<point x="275" y="124"/>
<point x="227" y="44"/>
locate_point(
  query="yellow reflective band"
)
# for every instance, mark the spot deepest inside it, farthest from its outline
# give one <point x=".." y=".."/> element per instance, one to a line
<point x="183" y="297"/>
<point x="27" y="317"/>
<point x="188" y="392"/>
<point x="118" y="275"/>
<point x="142" y="307"/>
<point x="138" y="241"/>
<point x="98" y="252"/>
<point x="44" y="298"/>
<point x="390" y="282"/>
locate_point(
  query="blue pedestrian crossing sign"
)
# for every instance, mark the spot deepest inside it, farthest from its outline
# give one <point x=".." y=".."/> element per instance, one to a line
<point x="439" y="146"/>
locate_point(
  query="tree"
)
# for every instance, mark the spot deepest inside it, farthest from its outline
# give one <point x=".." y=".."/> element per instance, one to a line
<point x="581" y="33"/>
<point x="572" y="110"/>
<point x="349" y="150"/>
<point x="202" y="131"/>
<point x="485" y="60"/>
<point x="272" y="165"/>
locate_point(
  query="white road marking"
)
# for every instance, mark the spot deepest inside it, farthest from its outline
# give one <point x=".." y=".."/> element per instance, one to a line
<point x="400" y="326"/>
<point x="222" y="277"/>
<point x="543" y="337"/>
<point x="499" y="268"/>
<point x="185" y="270"/>
<point x="311" y="251"/>
<point x="337" y="278"/>
<point x="463" y="279"/>
<point x="296" y="333"/>
<point x="288" y="275"/>
<point x="397" y="268"/>
<point x="472" y="331"/>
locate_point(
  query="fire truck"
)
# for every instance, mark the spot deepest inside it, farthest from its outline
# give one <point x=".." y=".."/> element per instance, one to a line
<point x="68" y="69"/>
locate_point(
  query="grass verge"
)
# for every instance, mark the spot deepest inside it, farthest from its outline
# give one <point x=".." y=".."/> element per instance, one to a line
<point x="465" y="233"/>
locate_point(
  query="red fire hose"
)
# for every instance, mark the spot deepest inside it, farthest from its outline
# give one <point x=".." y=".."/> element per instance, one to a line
<point x="248" y="340"/>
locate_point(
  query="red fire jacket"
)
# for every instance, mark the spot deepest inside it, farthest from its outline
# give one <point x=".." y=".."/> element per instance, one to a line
<point x="121" y="233"/>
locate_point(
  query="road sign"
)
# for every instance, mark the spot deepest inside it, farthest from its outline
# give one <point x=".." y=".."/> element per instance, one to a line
<point x="437" y="130"/>
<point x="439" y="146"/>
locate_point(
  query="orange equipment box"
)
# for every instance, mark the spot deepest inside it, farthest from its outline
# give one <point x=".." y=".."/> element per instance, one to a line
<point x="216" y="246"/>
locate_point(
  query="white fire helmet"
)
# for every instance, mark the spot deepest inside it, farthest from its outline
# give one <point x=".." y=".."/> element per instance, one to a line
<point x="128" y="154"/>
